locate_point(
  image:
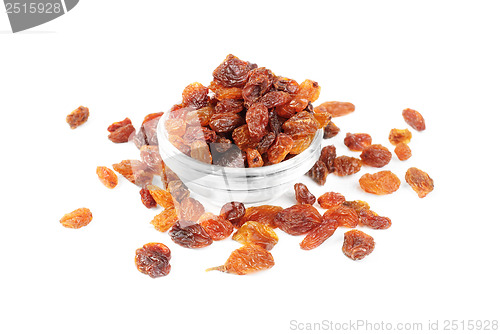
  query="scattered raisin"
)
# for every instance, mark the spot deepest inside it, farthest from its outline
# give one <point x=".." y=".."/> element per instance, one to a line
<point x="328" y="155"/>
<point x="116" y="125"/>
<point x="233" y="212"/>
<point x="135" y="171"/>
<point x="298" y="219"/>
<point x="150" y="155"/>
<point x="357" y="141"/>
<point x="217" y="227"/>
<point x="381" y="183"/>
<point x="357" y="244"/>
<point x="107" y="176"/>
<point x="420" y="181"/>
<point x="335" y="108"/>
<point x="372" y="220"/>
<point x="358" y="206"/>
<point x="342" y="216"/>
<point x="318" y="172"/>
<point x="246" y="260"/>
<point x="376" y="156"/>
<point x="77" y="219"/>
<point x="153" y="259"/>
<point x="263" y="214"/>
<point x="146" y="198"/>
<point x="161" y="196"/>
<point x="190" y="235"/>
<point x="303" y="195"/>
<point x="344" y="165"/>
<point x="233" y="72"/>
<point x="318" y="235"/>
<point x="323" y="118"/>
<point x="190" y="209"/>
<point x="77" y="117"/>
<point x="397" y="136"/>
<point x="255" y="233"/>
<point x="403" y="151"/>
<point x="195" y="95"/>
<point x="414" y="119"/>
<point x="165" y="220"/>
<point x="331" y="200"/>
<point x="331" y="130"/>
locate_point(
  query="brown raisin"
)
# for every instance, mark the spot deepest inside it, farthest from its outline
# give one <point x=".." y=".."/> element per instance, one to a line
<point x="107" y="176"/>
<point x="358" y="206"/>
<point x="242" y="138"/>
<point x="298" y="219"/>
<point x="257" y="118"/>
<point x="357" y="244"/>
<point x="233" y="211"/>
<point x="302" y="123"/>
<point x="191" y="209"/>
<point x="275" y="99"/>
<point x="258" y="84"/>
<point x="301" y="143"/>
<point x="178" y="190"/>
<point x="146" y="198"/>
<point x="286" y="85"/>
<point x="217" y="227"/>
<point x="190" y="235"/>
<point x="122" y="134"/>
<point x="225" y="122"/>
<point x="153" y="259"/>
<point x="381" y="183"/>
<point x="420" y="181"/>
<point x="201" y="152"/>
<point x="161" y="196"/>
<point x="135" y="171"/>
<point x="233" y="72"/>
<point x="221" y="144"/>
<point x="331" y="130"/>
<point x="342" y="215"/>
<point x="323" y="118"/>
<point x="318" y="172"/>
<point x="254" y="159"/>
<point x="344" y="165"/>
<point x="376" y="156"/>
<point x="77" y="117"/>
<point x="229" y="105"/>
<point x="221" y="92"/>
<point x="357" y="141"/>
<point x="165" y="220"/>
<point x="328" y="155"/>
<point x="246" y="260"/>
<point x="331" y="200"/>
<point x="303" y="195"/>
<point x="280" y="148"/>
<point x="263" y="214"/>
<point x="77" y="219"/>
<point x="318" y="235"/>
<point x="397" y="136"/>
<point x="370" y="219"/>
<point x="195" y="95"/>
<point x="231" y="158"/>
<point x="335" y="108"/>
<point x="116" y="125"/>
<point x="414" y="119"/>
<point x="403" y="151"/>
<point x="255" y="233"/>
<point x="200" y="117"/>
<point x="266" y="142"/>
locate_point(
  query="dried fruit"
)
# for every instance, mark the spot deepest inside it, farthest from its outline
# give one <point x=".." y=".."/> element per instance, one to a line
<point x="342" y="216"/>
<point x="195" y="95"/>
<point x="318" y="235"/>
<point x="331" y="200"/>
<point x="358" y="206"/>
<point x="77" y="117"/>
<point x="177" y="126"/>
<point x="217" y="227"/>
<point x="381" y="183"/>
<point x="323" y="118"/>
<point x="328" y="155"/>
<point x="281" y="147"/>
<point x="420" y="181"/>
<point x="414" y="119"/>
<point x="258" y="84"/>
<point x="233" y="72"/>
<point x="302" y="123"/>
<point x="275" y="99"/>
<point x="318" y="172"/>
<point x="263" y="214"/>
<point x="107" y="176"/>
<point x="116" y="125"/>
<point x="150" y="155"/>
<point x="246" y="260"/>
<point x="357" y="244"/>
<point x="225" y="122"/>
<point x="286" y="85"/>
<point x="254" y="159"/>
<point x="335" y="108"/>
<point x="344" y="165"/>
<point x="201" y="152"/>
<point x="231" y="158"/>
<point x="255" y="233"/>
<point x="135" y="171"/>
<point x="403" y="151"/>
<point x="298" y="219"/>
<point x="121" y="132"/>
<point x="191" y="209"/>
<point x="266" y="142"/>
<point x="301" y="143"/>
<point x="257" y="118"/>
<point x="153" y="259"/>
<point x="190" y="235"/>
<point x="165" y="220"/>
<point x="233" y="212"/>
<point x="372" y="220"/>
<point x="178" y="190"/>
<point x="229" y="105"/>
<point x="357" y="141"/>
<point x="397" y="136"/>
<point x="376" y="156"/>
<point x="331" y="130"/>
<point x="77" y="219"/>
<point x="303" y="195"/>
<point x="161" y="196"/>
<point x="146" y="198"/>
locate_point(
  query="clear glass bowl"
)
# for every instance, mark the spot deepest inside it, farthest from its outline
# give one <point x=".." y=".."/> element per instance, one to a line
<point x="220" y="185"/>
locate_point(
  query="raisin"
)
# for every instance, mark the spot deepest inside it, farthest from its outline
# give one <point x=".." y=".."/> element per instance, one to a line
<point x="116" y="125"/>
<point x="331" y="130"/>
<point x="331" y="200"/>
<point x="195" y="95"/>
<point x="107" y="176"/>
<point x="294" y="106"/>
<point x="256" y="233"/>
<point x="403" y="151"/>
<point x="414" y="119"/>
<point x="258" y="84"/>
<point x="147" y="133"/>
<point x="323" y="118"/>
<point x="77" y="117"/>
<point x="178" y="190"/>
<point x="344" y="165"/>
<point x="175" y="126"/>
<point x="221" y="92"/>
<point x="275" y="99"/>
<point x="301" y="143"/>
<point x="191" y="209"/>
<point x="201" y="152"/>
<point x="225" y="122"/>
<point x="318" y="235"/>
<point x="298" y="219"/>
<point x="233" y="211"/>
<point x="122" y="134"/>
<point x="190" y="235"/>
<point x="274" y="122"/>
<point x="263" y="214"/>
<point x="286" y="85"/>
<point x="165" y="220"/>
<point x="358" y="206"/>
<point x="381" y="183"/>
<point x="233" y="72"/>
<point x="200" y="117"/>
<point x="135" y="171"/>
<point x="335" y="108"/>
<point x="221" y="144"/>
<point x="357" y="244"/>
<point x="246" y="260"/>
<point x="231" y="158"/>
<point x="254" y="159"/>
<point x="319" y="172"/>
<point x="302" y="123"/>
<point x="280" y="148"/>
<point x="161" y="196"/>
<point x="146" y="198"/>
<point x="192" y="134"/>
<point x="372" y="220"/>
<point x="376" y="156"/>
<point x="303" y="195"/>
<point x="153" y="259"/>
<point x="397" y="136"/>
<point x="342" y="215"/>
<point x="77" y="219"/>
<point x="150" y="155"/>
<point x="242" y="138"/>
<point x="257" y="118"/>
<point x="420" y="181"/>
<point x="168" y="175"/>
<point x="357" y="141"/>
<point x="229" y="105"/>
<point x="308" y="90"/>
<point x="327" y="156"/>
<point x="217" y="227"/>
<point x="266" y="142"/>
<point x="179" y="144"/>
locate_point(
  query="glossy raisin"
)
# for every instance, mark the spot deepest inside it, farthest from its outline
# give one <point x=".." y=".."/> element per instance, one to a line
<point x="246" y="260"/>
<point x="77" y="117"/>
<point x="77" y="219"/>
<point x="217" y="227"/>
<point x="233" y="72"/>
<point x="190" y="209"/>
<point x="161" y="196"/>
<point x="342" y="215"/>
<point x="327" y="156"/>
<point x="331" y="130"/>
<point x="397" y="136"/>
<point x="229" y="105"/>
<point x="263" y="214"/>
<point x="116" y="125"/>
<point x="233" y="212"/>
<point x="323" y="118"/>
<point x="414" y="119"/>
<point x="318" y="172"/>
<point x="302" y="123"/>
<point x="190" y="235"/>
<point x="201" y="152"/>
<point x="357" y="245"/>
<point x="298" y="219"/>
<point x="344" y="165"/>
<point x="258" y="84"/>
<point x="147" y="199"/>
<point x="200" y="117"/>
<point x="178" y="190"/>
<point x="107" y="177"/>
<point x="357" y="141"/>
<point x="254" y="159"/>
<point x="301" y="143"/>
<point x="336" y="108"/>
<point x="280" y="148"/>
<point x="221" y="92"/>
<point x="255" y="233"/>
<point x="165" y="220"/>
<point x="265" y="142"/>
<point x="303" y="195"/>
<point x="225" y="122"/>
<point x="403" y="151"/>
<point x="135" y="171"/>
<point x="257" y="118"/>
<point x="195" y="95"/>
<point x="153" y="259"/>
<point x="331" y="200"/>
<point x="381" y="183"/>
<point x="286" y="85"/>
<point x="370" y="219"/>
<point x="318" y="235"/>
<point x="376" y="156"/>
<point x="275" y="99"/>
<point x="420" y="181"/>
<point x="122" y="134"/>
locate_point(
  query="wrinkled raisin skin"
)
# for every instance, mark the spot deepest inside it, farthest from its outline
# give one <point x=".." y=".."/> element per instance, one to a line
<point x="257" y="118"/>
<point x="77" y="219"/>
<point x="376" y="156"/>
<point x="331" y="200"/>
<point x="357" y="141"/>
<point x="77" y="117"/>
<point x="263" y="214"/>
<point x="344" y="165"/>
<point x="357" y="245"/>
<point x="257" y="234"/>
<point x="327" y="156"/>
<point x="319" y="172"/>
<point x="331" y="130"/>
<point x="402" y="151"/>
<point x="414" y="119"/>
<point x="298" y="219"/>
<point x="153" y="259"/>
<point x="190" y="236"/>
<point x="381" y="183"/>
<point x="233" y="211"/>
<point x="397" y="136"/>
<point x="146" y="198"/>
<point x="107" y="177"/>
<point x="342" y="216"/>
<point x="191" y="209"/>
<point x="216" y="226"/>
<point x="303" y="195"/>
<point x="281" y="147"/>
<point x="420" y="181"/>
<point x="246" y="260"/>
<point x="233" y="72"/>
<point x="318" y="235"/>
<point x="370" y="219"/>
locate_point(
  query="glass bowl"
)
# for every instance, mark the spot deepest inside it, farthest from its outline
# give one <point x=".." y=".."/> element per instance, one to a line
<point x="220" y="185"/>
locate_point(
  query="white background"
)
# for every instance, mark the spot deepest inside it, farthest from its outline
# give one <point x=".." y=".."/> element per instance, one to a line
<point x="439" y="260"/>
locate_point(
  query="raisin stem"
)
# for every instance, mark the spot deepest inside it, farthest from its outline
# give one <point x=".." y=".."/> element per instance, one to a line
<point x="219" y="268"/>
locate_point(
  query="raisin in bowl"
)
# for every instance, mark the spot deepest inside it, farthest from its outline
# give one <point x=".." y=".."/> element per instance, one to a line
<point x="231" y="181"/>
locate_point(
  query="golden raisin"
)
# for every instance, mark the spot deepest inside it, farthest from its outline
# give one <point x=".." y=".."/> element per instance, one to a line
<point x="403" y="151"/>
<point x="107" y="176"/>
<point x="256" y="233"/>
<point x="135" y="171"/>
<point x="165" y="220"/>
<point x="161" y="196"/>
<point x="357" y="141"/>
<point x="414" y="119"/>
<point x="381" y="183"/>
<point x="342" y="216"/>
<point x="335" y="108"/>
<point x="344" y="165"/>
<point x="397" y="136"/>
<point x="77" y="219"/>
<point x="217" y="227"/>
<point x="357" y="245"/>
<point x="318" y="235"/>
<point x="246" y="260"/>
<point x="420" y="181"/>
<point x="331" y="200"/>
<point x="281" y="147"/>
<point x="376" y="156"/>
<point x="77" y="117"/>
<point x="263" y="214"/>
